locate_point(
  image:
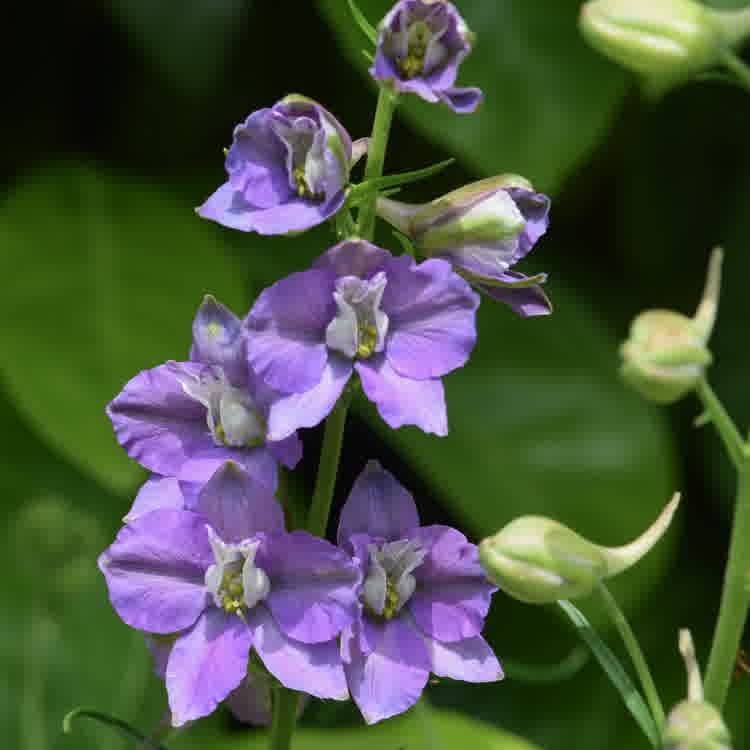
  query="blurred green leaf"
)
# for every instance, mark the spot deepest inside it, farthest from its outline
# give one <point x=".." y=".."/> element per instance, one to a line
<point x="548" y="98"/>
<point x="102" y="280"/>
<point x="187" y="40"/>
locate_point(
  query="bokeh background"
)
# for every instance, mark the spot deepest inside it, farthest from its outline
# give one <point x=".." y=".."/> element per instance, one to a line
<point x="115" y="114"/>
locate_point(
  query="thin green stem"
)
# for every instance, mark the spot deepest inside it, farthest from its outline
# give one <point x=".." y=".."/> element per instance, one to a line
<point x="285" y="704"/>
<point x="735" y="599"/>
<point x="636" y="655"/>
<point x="726" y="428"/>
<point x="737" y="66"/>
<point x="320" y="508"/>
<point x="376" y="159"/>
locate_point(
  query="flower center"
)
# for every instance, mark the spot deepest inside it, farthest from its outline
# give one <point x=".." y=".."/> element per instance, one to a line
<point x="389" y="583"/>
<point x="360" y="326"/>
<point x="230" y="414"/>
<point x="234" y="580"/>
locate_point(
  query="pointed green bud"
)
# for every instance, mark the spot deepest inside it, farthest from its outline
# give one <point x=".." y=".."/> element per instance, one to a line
<point x="672" y="38"/>
<point x="694" y="724"/>
<point x="539" y="561"/>
<point x="667" y="353"/>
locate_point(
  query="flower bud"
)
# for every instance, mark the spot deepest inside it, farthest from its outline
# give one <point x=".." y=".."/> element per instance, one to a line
<point x="669" y="38"/>
<point x="482" y="229"/>
<point x="666" y="353"/>
<point x="694" y="724"/>
<point x="539" y="561"/>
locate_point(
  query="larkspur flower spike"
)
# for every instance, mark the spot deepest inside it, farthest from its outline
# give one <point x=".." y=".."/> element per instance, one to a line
<point x="540" y="561"/>
<point x="288" y="168"/>
<point x="421" y="44"/>
<point x="482" y="229"/>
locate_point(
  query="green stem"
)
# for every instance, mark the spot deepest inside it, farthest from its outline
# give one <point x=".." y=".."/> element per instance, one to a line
<point x="376" y="159"/>
<point x="320" y="508"/>
<point x="285" y="704"/>
<point x="737" y="66"/>
<point x="735" y="24"/>
<point x="735" y="599"/>
<point x="726" y="428"/>
<point x="636" y="655"/>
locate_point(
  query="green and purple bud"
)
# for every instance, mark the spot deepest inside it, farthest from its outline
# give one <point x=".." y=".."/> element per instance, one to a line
<point x="666" y="353"/>
<point x="540" y="561"/>
<point x="482" y="229"/>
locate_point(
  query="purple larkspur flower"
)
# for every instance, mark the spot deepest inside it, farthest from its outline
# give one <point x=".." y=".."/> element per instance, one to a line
<point x="288" y="168"/>
<point x="424" y="598"/>
<point x="421" y="44"/>
<point x="399" y="324"/>
<point x="225" y="578"/>
<point x="482" y="229"/>
<point x="185" y="419"/>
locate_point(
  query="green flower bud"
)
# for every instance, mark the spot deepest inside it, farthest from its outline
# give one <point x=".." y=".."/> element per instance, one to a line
<point x="539" y="561"/>
<point x="672" y="38"/>
<point x="666" y="353"/>
<point x="694" y="724"/>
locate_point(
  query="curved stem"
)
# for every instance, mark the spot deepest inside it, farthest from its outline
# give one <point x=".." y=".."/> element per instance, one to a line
<point x="636" y="655"/>
<point x="284" y="718"/>
<point x="320" y="508"/>
<point x="737" y="66"/>
<point x="376" y="159"/>
<point x="735" y="599"/>
<point x="726" y="428"/>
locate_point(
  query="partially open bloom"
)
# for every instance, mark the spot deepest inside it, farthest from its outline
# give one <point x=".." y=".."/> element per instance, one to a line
<point x="225" y="578"/>
<point x="185" y="419"/>
<point x="399" y="324"/>
<point x="420" y="47"/>
<point x="288" y="167"/>
<point x="424" y="598"/>
<point x="482" y="229"/>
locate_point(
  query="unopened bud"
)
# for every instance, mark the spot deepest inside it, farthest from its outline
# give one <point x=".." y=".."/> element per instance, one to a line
<point x="670" y="38"/>
<point x="667" y="353"/>
<point x="694" y="724"/>
<point x="539" y="561"/>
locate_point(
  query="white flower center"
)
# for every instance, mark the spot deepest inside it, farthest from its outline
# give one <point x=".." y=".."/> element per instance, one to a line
<point x="360" y="326"/>
<point x="389" y="583"/>
<point x="230" y="413"/>
<point x="234" y="580"/>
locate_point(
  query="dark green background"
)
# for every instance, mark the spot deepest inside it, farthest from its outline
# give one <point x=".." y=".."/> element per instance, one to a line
<point x="112" y="134"/>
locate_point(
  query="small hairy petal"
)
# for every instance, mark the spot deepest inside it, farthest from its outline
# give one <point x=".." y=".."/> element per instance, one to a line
<point x="313" y="586"/>
<point x="154" y="570"/>
<point x="308" y="409"/>
<point x="237" y="506"/>
<point x="378" y="506"/>
<point x="535" y="210"/>
<point x="390" y="678"/>
<point x="402" y="401"/>
<point x="218" y="339"/>
<point x="527" y="301"/>
<point x="313" y="668"/>
<point x="206" y="664"/>
<point x="353" y="257"/>
<point x="463" y="101"/>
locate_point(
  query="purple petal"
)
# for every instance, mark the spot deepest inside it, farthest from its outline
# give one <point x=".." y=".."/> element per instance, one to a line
<point x="403" y="401"/>
<point x="470" y="659"/>
<point x="160" y="648"/>
<point x="535" y="209"/>
<point x="297" y="215"/>
<point x="237" y="506"/>
<point x="312" y="668"/>
<point x="453" y="594"/>
<point x="313" y="585"/>
<point x="389" y="679"/>
<point x="156" y="492"/>
<point x="527" y="301"/>
<point x="431" y="310"/>
<point x="287" y="451"/>
<point x="155" y="570"/>
<point x="379" y="506"/>
<point x="308" y="409"/>
<point x="463" y="101"/>
<point x="157" y="423"/>
<point x="353" y="258"/>
<point x="206" y="664"/>
<point x="218" y="339"/>
<point x="287" y="330"/>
